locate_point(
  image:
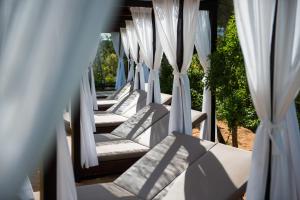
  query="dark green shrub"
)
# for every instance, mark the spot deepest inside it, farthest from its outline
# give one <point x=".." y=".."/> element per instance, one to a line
<point x="106" y="57"/>
<point x="195" y="74"/>
<point x="228" y="77"/>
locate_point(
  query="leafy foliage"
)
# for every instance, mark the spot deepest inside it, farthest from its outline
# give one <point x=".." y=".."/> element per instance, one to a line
<point x="195" y="74"/>
<point x="228" y="77"/>
<point x="107" y="59"/>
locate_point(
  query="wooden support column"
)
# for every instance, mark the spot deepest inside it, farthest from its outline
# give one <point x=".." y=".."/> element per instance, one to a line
<point x="213" y="16"/>
<point x="179" y="50"/>
<point x="75" y="127"/>
<point x="138" y="60"/>
<point x="48" y="177"/>
<point x="272" y="63"/>
<point x="154" y="45"/>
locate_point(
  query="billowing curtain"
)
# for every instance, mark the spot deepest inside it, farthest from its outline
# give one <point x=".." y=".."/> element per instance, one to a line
<point x="139" y="78"/>
<point x="203" y="46"/>
<point x="125" y="43"/>
<point x="66" y="188"/>
<point x="88" y="152"/>
<point x="117" y="44"/>
<point x="93" y="88"/>
<point x="255" y="29"/>
<point x="142" y="18"/>
<point x="166" y="16"/>
<point x="45" y="46"/>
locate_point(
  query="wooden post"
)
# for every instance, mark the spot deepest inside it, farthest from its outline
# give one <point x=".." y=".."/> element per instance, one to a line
<point x="179" y="50"/>
<point x="154" y="46"/>
<point x="48" y="177"/>
<point x="213" y="16"/>
<point x="272" y="63"/>
<point x="138" y="74"/>
<point x="75" y="127"/>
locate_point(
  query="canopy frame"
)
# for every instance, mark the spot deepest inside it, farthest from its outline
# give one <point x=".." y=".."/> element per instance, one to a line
<point x="123" y="14"/>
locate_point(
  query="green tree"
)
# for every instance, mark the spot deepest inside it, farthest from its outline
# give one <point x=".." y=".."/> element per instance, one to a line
<point x="227" y="75"/>
<point x="107" y="58"/>
<point x="195" y="74"/>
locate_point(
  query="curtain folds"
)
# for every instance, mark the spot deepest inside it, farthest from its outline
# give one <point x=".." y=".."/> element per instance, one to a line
<point x="118" y="47"/>
<point x="203" y="46"/>
<point x="93" y="88"/>
<point x="88" y="152"/>
<point x="66" y="188"/>
<point x="139" y="78"/>
<point x="142" y="19"/>
<point x="43" y="52"/>
<point x="166" y="16"/>
<point x="131" y="71"/>
<point x="146" y="72"/>
<point x="26" y="192"/>
<point x="125" y="43"/>
<point x="255" y="28"/>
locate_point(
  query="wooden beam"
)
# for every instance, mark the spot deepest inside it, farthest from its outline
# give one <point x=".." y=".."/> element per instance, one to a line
<point x="48" y="188"/>
<point x="272" y="65"/>
<point x="75" y="128"/>
<point x="179" y="50"/>
<point x="208" y="4"/>
<point x="213" y="16"/>
<point x="137" y="3"/>
<point x="154" y="44"/>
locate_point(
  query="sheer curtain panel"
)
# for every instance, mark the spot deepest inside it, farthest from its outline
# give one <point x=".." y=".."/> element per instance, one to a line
<point x="93" y="88"/>
<point x="255" y="28"/>
<point x="166" y="16"/>
<point x="142" y="18"/>
<point x="88" y="152"/>
<point x="139" y="78"/>
<point x="26" y="192"/>
<point x="125" y="44"/>
<point x="203" y="46"/>
<point x="117" y="44"/>
<point x="45" y="46"/>
<point x="66" y="188"/>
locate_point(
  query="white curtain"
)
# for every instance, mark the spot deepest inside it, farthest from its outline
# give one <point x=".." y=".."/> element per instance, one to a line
<point x="93" y="88"/>
<point x="146" y="72"/>
<point x="139" y="78"/>
<point x="88" y="152"/>
<point x="66" y="188"/>
<point x="203" y="46"/>
<point x="117" y="43"/>
<point x="26" y="192"/>
<point x="125" y="44"/>
<point x="166" y="15"/>
<point x="255" y="25"/>
<point x="142" y="18"/>
<point x="131" y="70"/>
<point x="44" y="48"/>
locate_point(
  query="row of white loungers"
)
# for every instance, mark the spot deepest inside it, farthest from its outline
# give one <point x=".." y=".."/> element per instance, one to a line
<point x="121" y="148"/>
<point x="104" y="104"/>
<point x="108" y="120"/>
<point x="180" y="167"/>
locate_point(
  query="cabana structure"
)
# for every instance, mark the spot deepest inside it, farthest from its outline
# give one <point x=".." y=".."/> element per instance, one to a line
<point x="172" y="165"/>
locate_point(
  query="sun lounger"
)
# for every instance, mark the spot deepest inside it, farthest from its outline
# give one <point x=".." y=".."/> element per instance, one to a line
<point x="104" y="104"/>
<point x="180" y="167"/>
<point x="107" y="121"/>
<point x="118" y="150"/>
